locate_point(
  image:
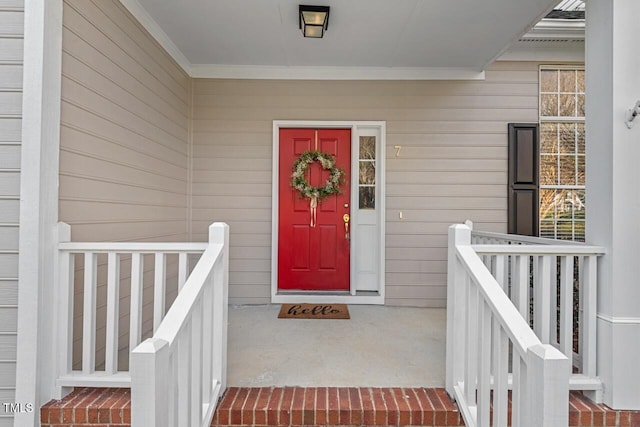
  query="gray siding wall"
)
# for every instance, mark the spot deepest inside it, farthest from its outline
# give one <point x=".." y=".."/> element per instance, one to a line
<point x="452" y="167"/>
<point x="11" y="40"/>
<point x="124" y="169"/>
<point x="125" y="151"/>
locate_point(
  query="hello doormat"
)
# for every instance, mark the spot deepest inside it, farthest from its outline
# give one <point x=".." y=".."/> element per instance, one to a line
<point x="314" y="311"/>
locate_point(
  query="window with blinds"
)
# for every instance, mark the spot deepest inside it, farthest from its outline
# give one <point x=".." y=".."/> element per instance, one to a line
<point x="562" y="153"/>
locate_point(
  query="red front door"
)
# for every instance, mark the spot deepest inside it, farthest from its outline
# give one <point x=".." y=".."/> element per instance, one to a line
<point x="313" y="257"/>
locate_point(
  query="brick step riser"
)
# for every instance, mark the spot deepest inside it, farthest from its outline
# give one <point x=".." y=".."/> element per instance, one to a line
<point x="283" y="406"/>
<point x="277" y="406"/>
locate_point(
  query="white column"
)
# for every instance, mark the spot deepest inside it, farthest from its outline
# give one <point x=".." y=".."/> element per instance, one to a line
<point x="36" y="347"/>
<point x="613" y="191"/>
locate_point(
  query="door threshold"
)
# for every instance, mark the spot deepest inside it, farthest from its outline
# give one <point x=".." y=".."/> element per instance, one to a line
<point x="322" y="297"/>
<point x="300" y="292"/>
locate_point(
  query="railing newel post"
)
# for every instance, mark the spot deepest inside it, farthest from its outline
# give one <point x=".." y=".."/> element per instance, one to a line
<point x="548" y="386"/>
<point x="458" y="235"/>
<point x="149" y="384"/>
<point x="219" y="234"/>
<point x="589" y="317"/>
<point x="63" y="309"/>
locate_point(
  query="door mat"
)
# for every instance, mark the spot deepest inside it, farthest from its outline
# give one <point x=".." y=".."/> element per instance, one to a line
<point x="314" y="311"/>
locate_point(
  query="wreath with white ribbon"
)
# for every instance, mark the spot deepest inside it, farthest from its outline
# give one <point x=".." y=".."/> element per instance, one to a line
<point x="314" y="194"/>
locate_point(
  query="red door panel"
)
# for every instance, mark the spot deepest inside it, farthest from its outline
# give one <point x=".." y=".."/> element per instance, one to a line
<point x="313" y="258"/>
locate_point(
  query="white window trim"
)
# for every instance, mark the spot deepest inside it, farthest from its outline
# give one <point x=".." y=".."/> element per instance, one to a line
<point x="327" y="297"/>
<point x="557" y="119"/>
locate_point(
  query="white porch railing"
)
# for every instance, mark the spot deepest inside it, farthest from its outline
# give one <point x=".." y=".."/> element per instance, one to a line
<point x="553" y="284"/>
<point x="178" y="375"/>
<point x="491" y="349"/>
<point x="92" y="254"/>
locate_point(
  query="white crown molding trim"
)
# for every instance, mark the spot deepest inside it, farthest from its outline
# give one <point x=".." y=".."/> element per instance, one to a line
<point x="619" y="320"/>
<point x="332" y="73"/>
<point x="143" y="17"/>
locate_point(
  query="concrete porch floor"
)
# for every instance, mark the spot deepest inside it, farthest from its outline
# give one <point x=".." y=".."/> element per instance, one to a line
<point x="379" y="346"/>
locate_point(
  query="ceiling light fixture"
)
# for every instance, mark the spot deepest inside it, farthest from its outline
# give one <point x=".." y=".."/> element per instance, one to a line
<point x="313" y="20"/>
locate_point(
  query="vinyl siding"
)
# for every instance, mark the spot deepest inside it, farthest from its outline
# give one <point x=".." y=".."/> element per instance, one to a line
<point x="125" y="129"/>
<point x="129" y="114"/>
<point x="11" y="41"/>
<point x="452" y="166"/>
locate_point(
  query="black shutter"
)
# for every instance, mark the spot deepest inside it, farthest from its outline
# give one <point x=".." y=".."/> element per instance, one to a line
<point x="523" y="190"/>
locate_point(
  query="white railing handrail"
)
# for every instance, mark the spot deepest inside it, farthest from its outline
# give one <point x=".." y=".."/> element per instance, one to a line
<point x="531" y="240"/>
<point x="175" y="318"/>
<point x="103" y="262"/>
<point x="560" y="272"/>
<point x="178" y="375"/>
<point x="518" y="330"/>
<point x="142" y="247"/>
<point x="489" y="249"/>
<point x="481" y="322"/>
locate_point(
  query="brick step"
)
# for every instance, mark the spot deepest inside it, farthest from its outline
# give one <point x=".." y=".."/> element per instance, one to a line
<point x="279" y="406"/>
<point x="86" y="407"/>
<point x="298" y="406"/>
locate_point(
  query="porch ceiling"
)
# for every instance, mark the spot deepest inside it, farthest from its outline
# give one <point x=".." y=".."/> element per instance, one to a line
<point x="363" y="34"/>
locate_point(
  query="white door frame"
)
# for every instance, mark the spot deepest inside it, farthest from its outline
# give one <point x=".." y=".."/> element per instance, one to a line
<point x="354" y="296"/>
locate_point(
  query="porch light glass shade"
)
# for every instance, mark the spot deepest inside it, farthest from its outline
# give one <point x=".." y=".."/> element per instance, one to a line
<point x="314" y="20"/>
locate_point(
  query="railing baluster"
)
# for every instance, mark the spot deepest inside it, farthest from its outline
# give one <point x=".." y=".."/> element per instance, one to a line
<point x="486" y="259"/>
<point x="89" y="313"/>
<point x="184" y="371"/>
<point x="581" y="301"/>
<point x="113" y="309"/>
<point x="484" y="363"/>
<point x="183" y="269"/>
<point x="471" y="368"/>
<point x="566" y="305"/>
<point x="500" y="271"/>
<point x="500" y="375"/>
<point x="159" y="289"/>
<point x="554" y="309"/>
<point x="519" y="392"/>
<point x="207" y="341"/>
<point x="542" y="298"/>
<point x="135" y="316"/>
<point x="196" y="365"/>
<point x="589" y="292"/>
<point x="173" y="388"/>
<point x="520" y="285"/>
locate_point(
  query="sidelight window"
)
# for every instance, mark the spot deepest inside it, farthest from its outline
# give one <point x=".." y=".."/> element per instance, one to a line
<point x="367" y="173"/>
